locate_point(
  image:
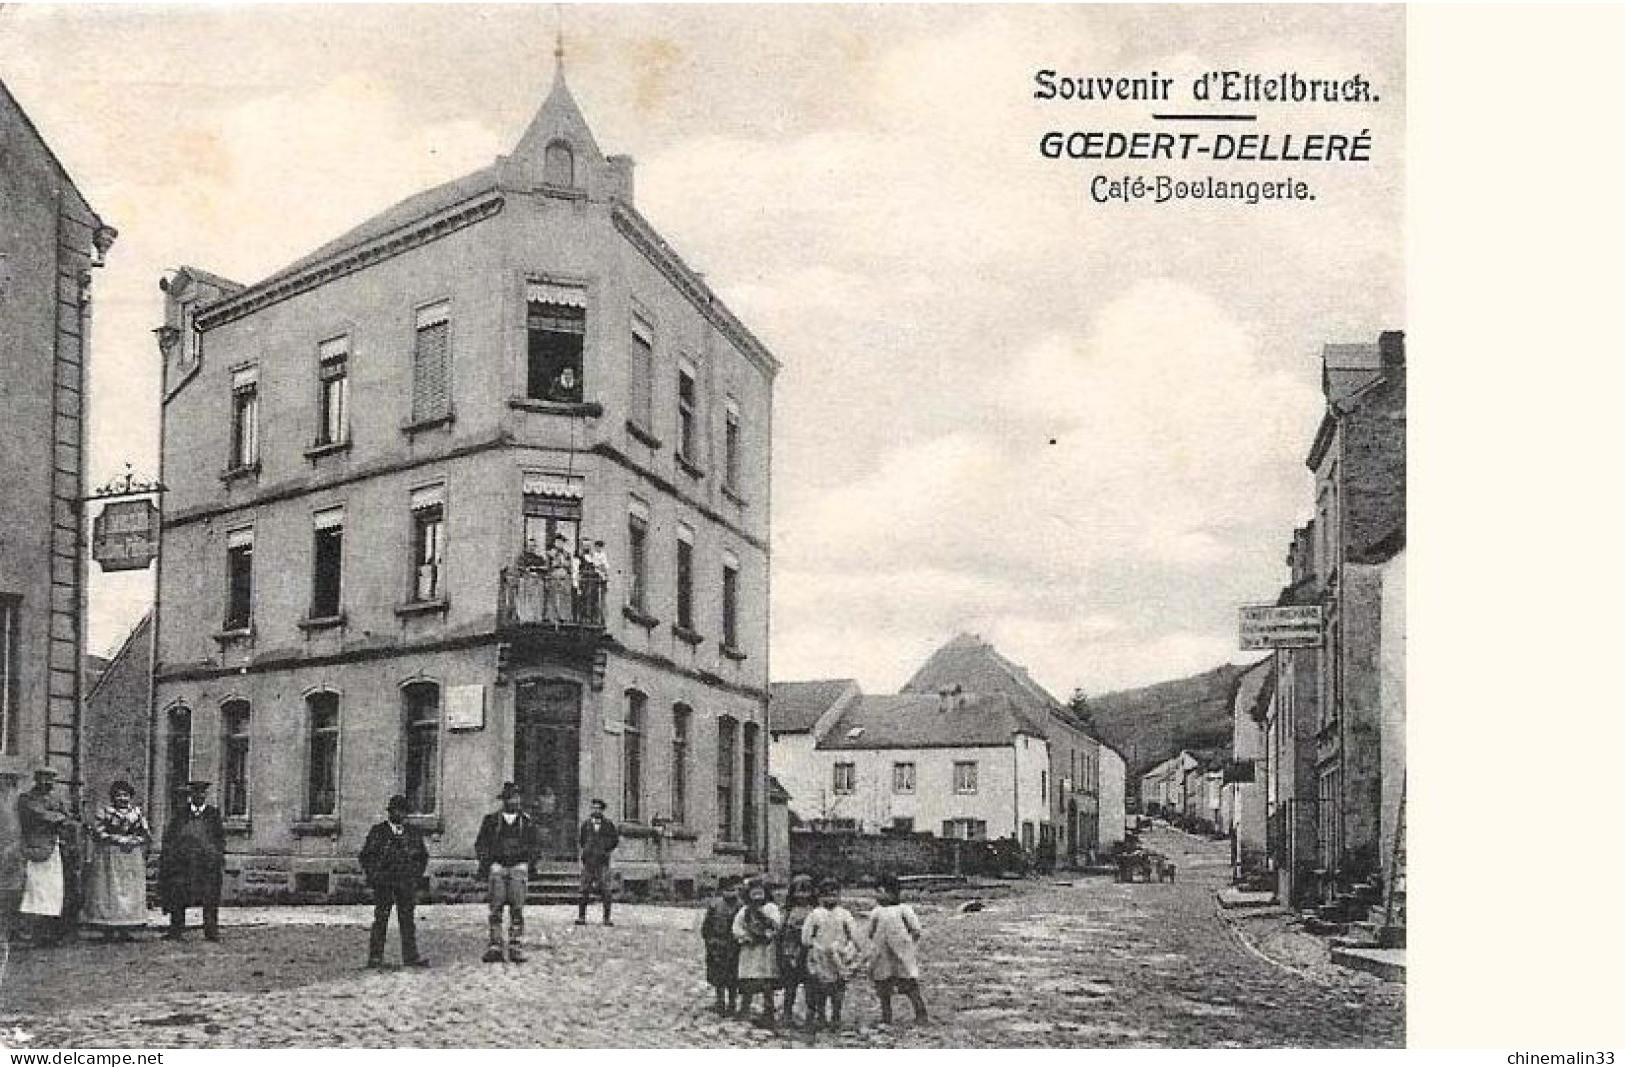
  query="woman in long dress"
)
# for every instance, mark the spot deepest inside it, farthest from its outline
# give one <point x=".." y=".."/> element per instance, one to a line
<point x="116" y="884"/>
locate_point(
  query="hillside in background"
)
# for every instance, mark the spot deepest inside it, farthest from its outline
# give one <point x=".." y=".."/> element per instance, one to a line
<point x="1148" y="725"/>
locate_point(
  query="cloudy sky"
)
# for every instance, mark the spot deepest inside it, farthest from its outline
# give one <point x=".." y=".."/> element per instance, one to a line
<point x="1075" y="429"/>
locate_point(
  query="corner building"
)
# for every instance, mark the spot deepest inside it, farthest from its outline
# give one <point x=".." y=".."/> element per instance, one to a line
<point x="366" y="455"/>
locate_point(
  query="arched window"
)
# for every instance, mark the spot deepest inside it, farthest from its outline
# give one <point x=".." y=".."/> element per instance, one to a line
<point x="559" y="165"/>
<point x="178" y="752"/>
<point x="322" y="767"/>
<point x="422" y="724"/>
<point x="632" y="757"/>
<point x="234" y="744"/>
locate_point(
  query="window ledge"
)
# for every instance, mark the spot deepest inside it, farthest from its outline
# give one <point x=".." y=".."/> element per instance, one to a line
<point x="429" y="824"/>
<point x="422" y="607"/>
<point x="240" y="825"/>
<point x="317" y="826"/>
<point x="647" y="621"/>
<point x="643" y="435"/>
<point x="731" y="848"/>
<point x="590" y="408"/>
<point x="634" y="829"/>
<point x="684" y="634"/>
<point x="317" y="451"/>
<point x="239" y="474"/>
<point x="733" y="494"/>
<point x="563" y="192"/>
<point x="735" y="654"/>
<point x="411" y="429"/>
<point x="233" y="635"/>
<point x="692" y="469"/>
<point x="323" y="622"/>
<point x="681" y="833"/>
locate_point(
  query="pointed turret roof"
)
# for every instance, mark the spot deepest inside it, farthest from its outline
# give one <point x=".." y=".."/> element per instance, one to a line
<point x="559" y="119"/>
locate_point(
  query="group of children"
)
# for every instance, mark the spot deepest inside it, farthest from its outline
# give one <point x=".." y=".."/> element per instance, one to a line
<point x="813" y="944"/>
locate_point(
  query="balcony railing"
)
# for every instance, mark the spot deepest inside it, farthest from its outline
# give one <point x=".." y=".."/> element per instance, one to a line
<point x="531" y="597"/>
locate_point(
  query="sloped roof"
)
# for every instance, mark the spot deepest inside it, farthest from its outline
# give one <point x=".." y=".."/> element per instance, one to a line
<point x="916" y="720"/>
<point x="977" y="667"/>
<point x="794" y="707"/>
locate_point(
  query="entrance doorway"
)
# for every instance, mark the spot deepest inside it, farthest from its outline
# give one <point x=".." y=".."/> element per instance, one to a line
<point x="547" y="759"/>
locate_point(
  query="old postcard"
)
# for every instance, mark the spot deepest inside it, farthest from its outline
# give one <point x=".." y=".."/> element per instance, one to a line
<point x="678" y="526"/>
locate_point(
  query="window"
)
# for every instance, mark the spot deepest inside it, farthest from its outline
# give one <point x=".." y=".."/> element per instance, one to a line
<point x="726" y="736"/>
<point x="428" y="544"/>
<point x="239" y="579"/>
<point x="178" y="752"/>
<point x="730" y="445"/>
<point x="846" y="779"/>
<point x="327" y="572"/>
<point x="1027" y="835"/>
<point x="902" y="824"/>
<point x="431" y="364"/>
<point x="234" y="717"/>
<point x="552" y="507"/>
<point x="632" y="757"/>
<point x="687" y="415"/>
<point x="245" y="417"/>
<point x="748" y="807"/>
<point x="682" y="718"/>
<point x="422" y="713"/>
<point x="556" y="334"/>
<point x="322" y="783"/>
<point x="637" y="557"/>
<point x="902" y="778"/>
<point x="559" y="165"/>
<point x="10" y="671"/>
<point x="685" y="577"/>
<point x="334" y="392"/>
<point x="1043" y="787"/>
<point x="965" y="829"/>
<point x="730" y="601"/>
<point x="965" y="777"/>
<point x="641" y="372"/>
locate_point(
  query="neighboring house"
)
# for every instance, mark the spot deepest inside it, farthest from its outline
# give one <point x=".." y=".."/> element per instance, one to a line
<point x="1242" y="811"/>
<point x="954" y="764"/>
<point x="50" y="241"/>
<point x="1391" y="660"/>
<point x="118" y="721"/>
<point x="799" y="714"/>
<point x="367" y="455"/>
<point x="1162" y="788"/>
<point x="1082" y="771"/>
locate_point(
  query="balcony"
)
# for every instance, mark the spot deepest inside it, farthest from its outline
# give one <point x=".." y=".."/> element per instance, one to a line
<point x="532" y="602"/>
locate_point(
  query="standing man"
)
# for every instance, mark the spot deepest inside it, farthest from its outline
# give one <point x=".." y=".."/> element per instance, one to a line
<point x="394" y="859"/>
<point x="192" y="861"/>
<point x="508" y="844"/>
<point x="598" y="839"/>
<point x="594" y="579"/>
<point x="44" y="821"/>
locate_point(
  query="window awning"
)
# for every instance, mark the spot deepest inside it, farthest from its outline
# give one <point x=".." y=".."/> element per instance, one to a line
<point x="570" y="296"/>
<point x="558" y="486"/>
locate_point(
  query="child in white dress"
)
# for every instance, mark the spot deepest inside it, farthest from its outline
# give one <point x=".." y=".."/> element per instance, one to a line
<point x="894" y="958"/>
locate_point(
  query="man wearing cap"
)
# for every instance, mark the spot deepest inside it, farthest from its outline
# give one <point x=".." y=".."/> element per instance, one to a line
<point x="44" y="821"/>
<point x="508" y="844"/>
<point x="598" y="839"/>
<point x="192" y="861"/>
<point x="394" y="859"/>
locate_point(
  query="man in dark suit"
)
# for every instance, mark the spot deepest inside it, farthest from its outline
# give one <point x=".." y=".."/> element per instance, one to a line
<point x="192" y="861"/>
<point x="598" y="839"/>
<point x="394" y="859"/>
<point x="507" y="847"/>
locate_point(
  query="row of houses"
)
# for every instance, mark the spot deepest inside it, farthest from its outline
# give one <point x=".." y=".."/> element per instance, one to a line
<point x="1325" y="737"/>
<point x="970" y="748"/>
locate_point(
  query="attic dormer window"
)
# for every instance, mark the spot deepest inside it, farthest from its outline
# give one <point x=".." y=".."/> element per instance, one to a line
<point x="559" y="165"/>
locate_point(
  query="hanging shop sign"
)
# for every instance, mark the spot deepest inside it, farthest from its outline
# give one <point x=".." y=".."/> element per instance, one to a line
<point x="124" y="537"/>
<point x="1268" y="626"/>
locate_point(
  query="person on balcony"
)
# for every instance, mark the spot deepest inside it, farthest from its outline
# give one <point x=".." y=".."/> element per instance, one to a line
<point x="594" y="572"/>
<point x="558" y="583"/>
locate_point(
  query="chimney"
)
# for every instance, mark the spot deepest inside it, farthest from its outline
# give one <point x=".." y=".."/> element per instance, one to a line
<point x="620" y="178"/>
<point x="1391" y="344"/>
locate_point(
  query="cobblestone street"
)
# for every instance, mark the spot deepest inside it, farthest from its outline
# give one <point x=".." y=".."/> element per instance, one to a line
<point x="1086" y="964"/>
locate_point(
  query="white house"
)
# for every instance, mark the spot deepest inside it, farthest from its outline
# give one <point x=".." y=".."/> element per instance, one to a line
<point x="798" y="714"/>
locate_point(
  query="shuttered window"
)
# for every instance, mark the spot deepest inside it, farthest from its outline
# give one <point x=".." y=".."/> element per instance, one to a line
<point x="431" y="364"/>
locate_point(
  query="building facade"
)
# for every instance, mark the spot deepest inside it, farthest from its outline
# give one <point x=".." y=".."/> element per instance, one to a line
<point x="799" y="715"/>
<point x="369" y="456"/>
<point x="50" y="240"/>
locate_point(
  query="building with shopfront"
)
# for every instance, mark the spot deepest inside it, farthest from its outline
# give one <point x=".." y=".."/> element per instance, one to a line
<point x="370" y="455"/>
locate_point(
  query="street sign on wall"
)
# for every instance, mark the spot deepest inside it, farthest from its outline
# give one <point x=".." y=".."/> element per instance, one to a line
<point x="124" y="536"/>
<point x="1268" y="626"/>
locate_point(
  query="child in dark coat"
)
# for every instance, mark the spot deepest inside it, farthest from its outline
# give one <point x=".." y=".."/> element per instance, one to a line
<point x="722" y="950"/>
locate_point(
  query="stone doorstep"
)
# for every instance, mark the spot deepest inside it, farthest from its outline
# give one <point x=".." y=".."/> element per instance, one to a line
<point x="1241" y="898"/>
<point x="1386" y="963"/>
